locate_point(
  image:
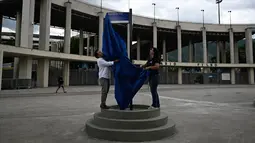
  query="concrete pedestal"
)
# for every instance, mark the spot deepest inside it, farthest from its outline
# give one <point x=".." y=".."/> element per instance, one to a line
<point x="137" y="125"/>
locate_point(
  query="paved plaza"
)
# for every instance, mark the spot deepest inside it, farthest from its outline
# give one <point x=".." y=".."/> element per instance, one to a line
<point x="203" y="113"/>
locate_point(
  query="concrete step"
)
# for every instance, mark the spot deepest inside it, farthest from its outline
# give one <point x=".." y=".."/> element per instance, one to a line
<point x="130" y="124"/>
<point x="138" y="112"/>
<point x="130" y="135"/>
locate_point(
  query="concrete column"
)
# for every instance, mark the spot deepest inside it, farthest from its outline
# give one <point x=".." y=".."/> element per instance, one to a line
<point x="31" y="24"/>
<point x="155" y="42"/>
<point x="236" y="52"/>
<point x="81" y="47"/>
<point x="67" y="41"/>
<point x="44" y="41"/>
<point x="95" y="43"/>
<point x="18" y="29"/>
<point x="1" y="69"/>
<point x="191" y="51"/>
<point x="179" y="43"/>
<point x="66" y="73"/>
<point x="249" y="48"/>
<point x="164" y="50"/>
<point x="101" y="29"/>
<point x="26" y="37"/>
<point x="164" y="58"/>
<point x="218" y="52"/>
<point x="231" y="43"/>
<point x="179" y="48"/>
<point x="26" y="23"/>
<point x="88" y="45"/>
<point x="205" y="58"/>
<point x="128" y="40"/>
<point x="67" y="37"/>
<point x="205" y="53"/>
<point x="15" y="67"/>
<point x="232" y="56"/>
<point x="25" y="68"/>
<point x="1" y="25"/>
<point x="138" y="48"/>
<point x="17" y="44"/>
<point x="43" y="72"/>
<point x="249" y="54"/>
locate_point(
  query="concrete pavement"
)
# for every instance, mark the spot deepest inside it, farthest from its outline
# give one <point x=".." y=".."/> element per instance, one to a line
<point x="220" y="114"/>
<point x="93" y="89"/>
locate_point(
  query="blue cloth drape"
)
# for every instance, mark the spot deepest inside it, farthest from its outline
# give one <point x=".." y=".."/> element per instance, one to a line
<point x="128" y="78"/>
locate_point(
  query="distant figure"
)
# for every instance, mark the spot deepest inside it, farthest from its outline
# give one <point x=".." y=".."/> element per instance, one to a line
<point x="60" y="84"/>
<point x="104" y="76"/>
<point x="153" y="66"/>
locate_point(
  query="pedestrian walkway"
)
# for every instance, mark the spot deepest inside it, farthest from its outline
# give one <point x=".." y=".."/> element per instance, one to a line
<point x="91" y="89"/>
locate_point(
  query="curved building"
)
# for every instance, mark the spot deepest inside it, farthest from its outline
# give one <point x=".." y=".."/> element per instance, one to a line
<point x="168" y="36"/>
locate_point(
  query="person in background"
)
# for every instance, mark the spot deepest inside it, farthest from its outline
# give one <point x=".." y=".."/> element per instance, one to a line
<point x="153" y="66"/>
<point x="104" y="76"/>
<point x="60" y="84"/>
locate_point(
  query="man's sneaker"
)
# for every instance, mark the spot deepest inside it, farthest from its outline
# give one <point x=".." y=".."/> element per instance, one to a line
<point x="151" y="107"/>
<point x="103" y="106"/>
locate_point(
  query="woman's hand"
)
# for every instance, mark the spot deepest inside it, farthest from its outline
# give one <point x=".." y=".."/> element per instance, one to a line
<point x="147" y="68"/>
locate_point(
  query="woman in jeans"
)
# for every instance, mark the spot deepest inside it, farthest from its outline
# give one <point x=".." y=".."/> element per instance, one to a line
<point x="153" y="66"/>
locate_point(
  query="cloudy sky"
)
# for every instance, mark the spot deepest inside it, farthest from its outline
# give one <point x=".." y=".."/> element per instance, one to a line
<point x="190" y="10"/>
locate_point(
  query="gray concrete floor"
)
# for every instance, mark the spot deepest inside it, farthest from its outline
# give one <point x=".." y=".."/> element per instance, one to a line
<point x="202" y="114"/>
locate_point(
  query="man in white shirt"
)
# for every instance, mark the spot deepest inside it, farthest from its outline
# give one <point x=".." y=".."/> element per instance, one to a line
<point x="104" y="76"/>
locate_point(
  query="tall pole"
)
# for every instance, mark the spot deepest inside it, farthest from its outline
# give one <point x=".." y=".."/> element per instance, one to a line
<point x="154" y="4"/>
<point x="101" y="7"/>
<point x="219" y="12"/>
<point x="177" y="8"/>
<point x="130" y="32"/>
<point x="230" y="19"/>
<point x="128" y="4"/>
<point x="203" y="17"/>
<point x="218" y="2"/>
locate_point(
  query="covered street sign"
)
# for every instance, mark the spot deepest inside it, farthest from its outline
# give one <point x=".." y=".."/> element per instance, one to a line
<point x="119" y="17"/>
<point x="218" y="1"/>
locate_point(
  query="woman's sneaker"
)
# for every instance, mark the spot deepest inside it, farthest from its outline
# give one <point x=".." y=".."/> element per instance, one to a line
<point x="103" y="106"/>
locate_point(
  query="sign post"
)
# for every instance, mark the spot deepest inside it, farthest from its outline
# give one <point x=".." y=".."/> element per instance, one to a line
<point x="124" y="17"/>
<point x="130" y="32"/>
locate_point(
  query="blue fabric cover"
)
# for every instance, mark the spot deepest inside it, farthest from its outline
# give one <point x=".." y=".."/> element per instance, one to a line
<point x="128" y="78"/>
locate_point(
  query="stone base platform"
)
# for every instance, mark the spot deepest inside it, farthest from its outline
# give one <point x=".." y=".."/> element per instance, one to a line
<point x="139" y="124"/>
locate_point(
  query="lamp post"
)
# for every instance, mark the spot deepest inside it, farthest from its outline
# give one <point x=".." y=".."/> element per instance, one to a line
<point x="218" y="2"/>
<point x="128" y="4"/>
<point x="101" y="6"/>
<point x="230" y="18"/>
<point x="154" y="5"/>
<point x="177" y="8"/>
<point x="203" y="15"/>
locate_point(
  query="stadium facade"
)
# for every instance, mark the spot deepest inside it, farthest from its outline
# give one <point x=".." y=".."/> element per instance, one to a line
<point x="190" y="46"/>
